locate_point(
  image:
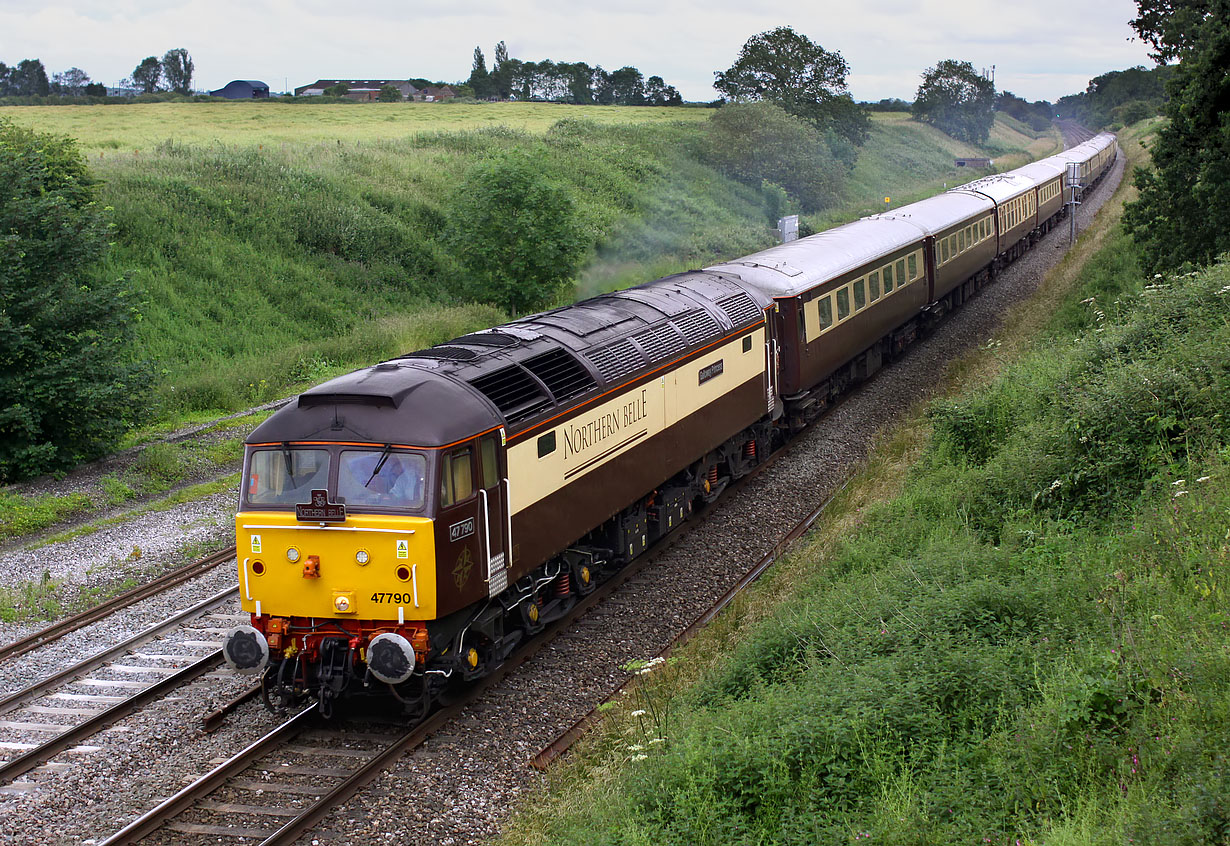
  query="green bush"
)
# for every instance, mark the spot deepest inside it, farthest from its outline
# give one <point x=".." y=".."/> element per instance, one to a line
<point x="68" y="386"/>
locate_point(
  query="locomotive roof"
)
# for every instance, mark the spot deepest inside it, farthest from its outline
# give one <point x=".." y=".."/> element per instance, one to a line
<point x="514" y="374"/>
<point x="791" y="268"/>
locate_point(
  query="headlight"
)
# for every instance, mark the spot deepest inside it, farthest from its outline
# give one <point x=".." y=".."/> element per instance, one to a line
<point x="292" y="555"/>
<point x="342" y="602"/>
<point x="362" y="557"/>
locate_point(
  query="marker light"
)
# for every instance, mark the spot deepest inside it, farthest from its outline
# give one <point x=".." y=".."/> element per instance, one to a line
<point x="362" y="557"/>
<point x="292" y="555"/>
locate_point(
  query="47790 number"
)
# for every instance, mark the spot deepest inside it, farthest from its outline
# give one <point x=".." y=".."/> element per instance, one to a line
<point x="395" y="598"/>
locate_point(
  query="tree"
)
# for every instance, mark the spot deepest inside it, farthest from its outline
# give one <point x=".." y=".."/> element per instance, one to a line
<point x="28" y="78"/>
<point x="389" y="94"/>
<point x="68" y="389"/>
<point x="799" y="75"/>
<point x="501" y="73"/>
<point x="955" y="99"/>
<point x="71" y="82"/>
<point x="148" y="74"/>
<point x="95" y="89"/>
<point x="177" y="67"/>
<point x="340" y="90"/>
<point x="761" y="142"/>
<point x="1184" y="202"/>
<point x="516" y="233"/>
<point x="480" y="79"/>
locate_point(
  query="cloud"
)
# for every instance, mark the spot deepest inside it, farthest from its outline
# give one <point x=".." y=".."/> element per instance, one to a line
<point x="1040" y="49"/>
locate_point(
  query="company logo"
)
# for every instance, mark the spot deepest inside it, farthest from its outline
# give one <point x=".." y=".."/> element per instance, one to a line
<point x="464" y="529"/>
<point x="465" y="565"/>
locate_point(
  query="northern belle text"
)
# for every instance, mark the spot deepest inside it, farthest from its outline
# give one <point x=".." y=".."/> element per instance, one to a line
<point x="580" y="437"/>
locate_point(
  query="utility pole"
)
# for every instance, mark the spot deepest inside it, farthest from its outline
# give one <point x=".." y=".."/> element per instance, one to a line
<point x="1073" y="179"/>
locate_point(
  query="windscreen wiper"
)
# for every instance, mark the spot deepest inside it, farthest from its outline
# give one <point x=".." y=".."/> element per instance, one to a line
<point x="384" y="456"/>
<point x="286" y="456"/>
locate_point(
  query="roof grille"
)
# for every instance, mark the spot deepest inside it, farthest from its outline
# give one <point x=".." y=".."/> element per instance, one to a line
<point x="453" y="353"/>
<point x="661" y="341"/>
<point x="563" y="375"/>
<point x="488" y="339"/>
<point x="740" y="308"/>
<point x="616" y="360"/>
<point x="514" y="392"/>
<point x="698" y="326"/>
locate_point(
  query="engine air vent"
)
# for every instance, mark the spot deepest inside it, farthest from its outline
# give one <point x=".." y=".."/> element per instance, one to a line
<point x="741" y="309"/>
<point x="563" y="375"/>
<point x="616" y="360"/>
<point x="660" y="342"/>
<point x="698" y="326"/>
<point x="514" y="392"/>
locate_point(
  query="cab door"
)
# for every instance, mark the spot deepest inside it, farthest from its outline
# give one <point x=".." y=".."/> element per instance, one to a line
<point x="492" y="493"/>
<point x="461" y="570"/>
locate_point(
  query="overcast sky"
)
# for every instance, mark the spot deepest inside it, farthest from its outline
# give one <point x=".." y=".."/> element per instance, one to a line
<point x="1041" y="49"/>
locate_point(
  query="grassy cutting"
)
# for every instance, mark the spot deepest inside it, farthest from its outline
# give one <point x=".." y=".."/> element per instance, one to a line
<point x="1011" y="629"/>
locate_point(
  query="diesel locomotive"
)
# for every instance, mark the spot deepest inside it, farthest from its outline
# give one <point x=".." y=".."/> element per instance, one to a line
<point x="403" y="527"/>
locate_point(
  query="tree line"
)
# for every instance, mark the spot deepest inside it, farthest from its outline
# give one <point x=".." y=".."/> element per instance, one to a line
<point x="28" y="78"/>
<point x="565" y="82"/>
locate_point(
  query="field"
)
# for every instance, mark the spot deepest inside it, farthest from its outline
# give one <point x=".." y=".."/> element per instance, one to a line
<point x="142" y="127"/>
<point x="274" y="245"/>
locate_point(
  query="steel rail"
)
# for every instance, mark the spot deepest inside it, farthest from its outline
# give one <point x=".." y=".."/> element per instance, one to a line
<point x="15" y="699"/>
<point x="118" y="602"/>
<point x="153" y="819"/>
<point x="46" y="751"/>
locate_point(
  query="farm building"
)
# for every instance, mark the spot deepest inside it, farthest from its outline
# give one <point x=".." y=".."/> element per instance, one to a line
<point x="359" y="89"/>
<point x="242" y="89"/>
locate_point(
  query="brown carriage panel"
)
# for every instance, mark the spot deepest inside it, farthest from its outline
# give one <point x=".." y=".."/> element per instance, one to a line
<point x="558" y="518"/>
<point x="961" y="251"/>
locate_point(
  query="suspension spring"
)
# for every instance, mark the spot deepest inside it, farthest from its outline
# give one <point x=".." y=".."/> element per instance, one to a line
<point x="563" y="585"/>
<point x="713" y="475"/>
<point x="749" y="449"/>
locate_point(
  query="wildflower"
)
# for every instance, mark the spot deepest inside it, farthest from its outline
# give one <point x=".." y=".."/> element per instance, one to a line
<point x="635" y="747"/>
<point x="1204" y="478"/>
<point x="1055" y="484"/>
<point x="639" y="712"/>
<point x="657" y="740"/>
<point x="1177" y="483"/>
<point x="1178" y="494"/>
<point x="639" y="757"/>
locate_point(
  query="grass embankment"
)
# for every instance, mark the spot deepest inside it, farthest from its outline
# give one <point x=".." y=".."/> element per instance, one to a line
<point x="1010" y="629"/>
<point x="269" y="266"/>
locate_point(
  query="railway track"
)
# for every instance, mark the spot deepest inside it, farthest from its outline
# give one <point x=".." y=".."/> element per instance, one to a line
<point x="81" y="700"/>
<point x="116" y="603"/>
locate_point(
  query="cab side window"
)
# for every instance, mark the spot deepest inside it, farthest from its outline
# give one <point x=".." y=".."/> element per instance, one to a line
<point x="456" y="478"/>
<point x="490" y="463"/>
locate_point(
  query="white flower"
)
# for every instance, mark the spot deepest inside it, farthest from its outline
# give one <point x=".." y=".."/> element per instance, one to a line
<point x="639" y="757"/>
<point x="657" y="740"/>
<point x="635" y="747"/>
<point x="1177" y="483"/>
<point x="1178" y="494"/>
<point x="639" y="712"/>
<point x="1204" y="478"/>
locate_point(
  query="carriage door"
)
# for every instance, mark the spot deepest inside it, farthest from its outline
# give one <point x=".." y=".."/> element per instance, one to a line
<point x="494" y="507"/>
<point x="772" y="357"/>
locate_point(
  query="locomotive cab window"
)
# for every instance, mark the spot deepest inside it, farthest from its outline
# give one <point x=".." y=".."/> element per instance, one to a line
<point x="384" y="479"/>
<point x="286" y="476"/>
<point x="456" y="478"/>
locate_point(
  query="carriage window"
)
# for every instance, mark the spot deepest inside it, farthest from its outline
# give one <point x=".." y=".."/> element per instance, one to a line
<point x="826" y="313"/>
<point x="860" y="294"/>
<point x="900" y="277"/>
<point x="386" y="479"/>
<point x="873" y="285"/>
<point x="456" y="480"/>
<point x="961" y="241"/>
<point x="943" y="251"/>
<point x="913" y="260"/>
<point x="286" y="476"/>
<point x="843" y="303"/>
<point x="888" y="278"/>
<point x="491" y="464"/>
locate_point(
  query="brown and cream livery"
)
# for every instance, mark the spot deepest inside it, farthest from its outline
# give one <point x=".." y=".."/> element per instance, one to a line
<point x="408" y="524"/>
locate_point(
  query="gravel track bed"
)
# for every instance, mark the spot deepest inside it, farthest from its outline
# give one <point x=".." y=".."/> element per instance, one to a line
<point x="461" y="785"/>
